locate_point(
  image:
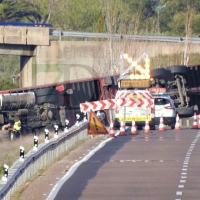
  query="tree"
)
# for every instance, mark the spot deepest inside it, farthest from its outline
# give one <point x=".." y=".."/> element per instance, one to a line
<point x="188" y="30"/>
<point x="35" y="12"/>
<point x="77" y="15"/>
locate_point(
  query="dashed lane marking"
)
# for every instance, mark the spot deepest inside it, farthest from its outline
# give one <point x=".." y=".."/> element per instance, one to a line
<point x="179" y="193"/>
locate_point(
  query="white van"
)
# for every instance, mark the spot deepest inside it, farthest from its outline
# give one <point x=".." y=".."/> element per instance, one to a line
<point x="137" y="105"/>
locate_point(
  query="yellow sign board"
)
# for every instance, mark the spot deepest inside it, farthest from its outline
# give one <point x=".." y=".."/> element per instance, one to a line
<point x="134" y="83"/>
<point x="136" y="118"/>
<point x="95" y="125"/>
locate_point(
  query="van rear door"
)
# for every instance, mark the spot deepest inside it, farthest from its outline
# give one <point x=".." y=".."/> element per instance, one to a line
<point x="136" y="105"/>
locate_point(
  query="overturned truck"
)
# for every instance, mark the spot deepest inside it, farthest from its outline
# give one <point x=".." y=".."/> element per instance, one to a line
<point x="43" y="106"/>
<point x="182" y="84"/>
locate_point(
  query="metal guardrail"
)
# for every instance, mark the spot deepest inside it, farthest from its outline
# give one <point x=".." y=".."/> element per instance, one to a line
<point x="125" y="37"/>
<point x="20" y="171"/>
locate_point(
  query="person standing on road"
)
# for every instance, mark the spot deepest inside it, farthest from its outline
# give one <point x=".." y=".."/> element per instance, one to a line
<point x="17" y="127"/>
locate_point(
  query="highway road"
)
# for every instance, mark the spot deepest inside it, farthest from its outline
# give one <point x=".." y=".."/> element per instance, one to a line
<point x="161" y="165"/>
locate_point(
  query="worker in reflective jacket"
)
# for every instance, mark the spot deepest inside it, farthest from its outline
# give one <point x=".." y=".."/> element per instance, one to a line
<point x="17" y="126"/>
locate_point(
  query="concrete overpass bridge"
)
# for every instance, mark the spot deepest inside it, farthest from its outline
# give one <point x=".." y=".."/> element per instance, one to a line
<point x="44" y="61"/>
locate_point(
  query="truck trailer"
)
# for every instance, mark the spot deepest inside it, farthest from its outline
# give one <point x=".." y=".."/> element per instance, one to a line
<point x="46" y="105"/>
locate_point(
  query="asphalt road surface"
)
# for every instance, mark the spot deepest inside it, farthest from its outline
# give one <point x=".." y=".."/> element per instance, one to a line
<point x="161" y="165"/>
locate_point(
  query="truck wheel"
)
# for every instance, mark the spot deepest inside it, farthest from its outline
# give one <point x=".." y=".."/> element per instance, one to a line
<point x="185" y="111"/>
<point x="158" y="73"/>
<point x="152" y="127"/>
<point x="172" y="127"/>
<point x="178" y="69"/>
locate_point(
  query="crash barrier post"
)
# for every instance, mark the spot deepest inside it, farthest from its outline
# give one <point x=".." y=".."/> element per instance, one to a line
<point x="46" y="139"/>
<point x="21" y="154"/>
<point x="5" y="175"/>
<point x="56" y="131"/>
<point x="77" y="119"/>
<point x="85" y="117"/>
<point x="67" y="125"/>
<point x="35" y="160"/>
<point x="35" y="143"/>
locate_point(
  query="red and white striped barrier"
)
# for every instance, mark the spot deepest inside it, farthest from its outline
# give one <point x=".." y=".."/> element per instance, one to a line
<point x="98" y="105"/>
<point x="126" y="99"/>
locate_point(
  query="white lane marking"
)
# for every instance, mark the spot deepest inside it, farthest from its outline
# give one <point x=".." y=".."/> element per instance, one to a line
<point x="179" y="193"/>
<point x="185" y="164"/>
<point x="71" y="171"/>
<point x="183" y="176"/>
<point x="184" y="173"/>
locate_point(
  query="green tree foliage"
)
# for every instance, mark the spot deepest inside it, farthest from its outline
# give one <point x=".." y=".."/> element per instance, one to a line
<point x="117" y="16"/>
<point x="9" y="67"/>
<point x="78" y="15"/>
<point x="24" y="10"/>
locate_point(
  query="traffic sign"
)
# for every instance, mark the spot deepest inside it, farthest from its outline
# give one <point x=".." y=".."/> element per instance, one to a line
<point x="95" y="125"/>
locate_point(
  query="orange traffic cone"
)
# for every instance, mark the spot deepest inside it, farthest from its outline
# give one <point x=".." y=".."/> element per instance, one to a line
<point x="122" y="128"/>
<point x="147" y="128"/>
<point x="161" y="125"/>
<point x="133" y="128"/>
<point x="177" y="125"/>
<point x="112" y="132"/>
<point x="199" y="122"/>
<point x="195" y="125"/>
